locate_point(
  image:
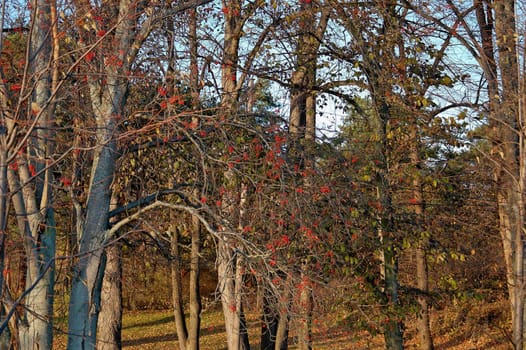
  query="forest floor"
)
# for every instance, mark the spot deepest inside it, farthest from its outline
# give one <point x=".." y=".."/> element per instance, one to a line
<point x="468" y="326"/>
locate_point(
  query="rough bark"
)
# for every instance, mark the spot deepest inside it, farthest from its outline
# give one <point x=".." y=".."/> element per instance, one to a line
<point x="4" y="192"/>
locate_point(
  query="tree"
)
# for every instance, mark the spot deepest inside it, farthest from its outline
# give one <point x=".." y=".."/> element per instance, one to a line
<point x="302" y="127"/>
<point x="488" y="34"/>
<point x="29" y="176"/>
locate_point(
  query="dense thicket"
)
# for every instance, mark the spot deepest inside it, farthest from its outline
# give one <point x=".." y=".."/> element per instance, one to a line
<point x="287" y="159"/>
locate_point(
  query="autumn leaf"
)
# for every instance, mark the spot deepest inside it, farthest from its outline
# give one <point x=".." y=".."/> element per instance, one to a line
<point x="90" y="56"/>
<point x="325" y="189"/>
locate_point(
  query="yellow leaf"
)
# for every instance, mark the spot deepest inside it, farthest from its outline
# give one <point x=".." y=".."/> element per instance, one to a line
<point x="35" y="108"/>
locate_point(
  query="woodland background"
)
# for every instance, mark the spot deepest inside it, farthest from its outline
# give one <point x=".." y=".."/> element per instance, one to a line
<point x="352" y="166"/>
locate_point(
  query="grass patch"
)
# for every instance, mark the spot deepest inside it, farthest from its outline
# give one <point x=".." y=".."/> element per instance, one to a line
<point x="144" y="330"/>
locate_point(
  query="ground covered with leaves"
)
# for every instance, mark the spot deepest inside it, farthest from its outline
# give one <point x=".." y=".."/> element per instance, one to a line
<point x="466" y="325"/>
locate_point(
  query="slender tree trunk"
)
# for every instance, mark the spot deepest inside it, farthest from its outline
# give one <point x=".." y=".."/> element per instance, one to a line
<point x="306" y="306"/>
<point x="509" y="174"/>
<point x="422" y="279"/>
<point x="110" y="317"/>
<point x="36" y="326"/>
<point x="393" y="334"/>
<point x="270" y="320"/>
<point x="195" y="306"/>
<point x="302" y="127"/>
<point x="5" y="336"/>
<point x="282" y="331"/>
<point x="195" y="295"/>
<point x="177" y="289"/>
<point x="423" y="322"/>
<point x="229" y="263"/>
<point x="393" y="330"/>
<point x="226" y="281"/>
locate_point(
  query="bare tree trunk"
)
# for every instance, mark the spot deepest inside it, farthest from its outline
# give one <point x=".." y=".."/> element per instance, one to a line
<point x="422" y="279"/>
<point x="108" y="89"/>
<point x="509" y="174"/>
<point x="306" y="306"/>
<point x="5" y="336"/>
<point x="226" y="284"/>
<point x="177" y="289"/>
<point x="423" y="323"/>
<point x="230" y="279"/>
<point x="110" y="316"/>
<point x="195" y="306"/>
<point x="195" y="295"/>
<point x="36" y="326"/>
<point x="282" y="331"/>
<point x="269" y="328"/>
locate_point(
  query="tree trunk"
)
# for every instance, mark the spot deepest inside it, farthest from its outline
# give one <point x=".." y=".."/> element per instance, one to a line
<point x="84" y="305"/>
<point x="510" y="172"/>
<point x="36" y="325"/>
<point x="226" y="281"/>
<point x="187" y="333"/>
<point x="423" y="323"/>
<point x="177" y="289"/>
<point x="108" y="90"/>
<point x="110" y="317"/>
<point x="422" y="279"/>
<point x="305" y="314"/>
<point x="393" y="326"/>
<point x="5" y="336"/>
<point x="270" y="319"/>
<point x="195" y="295"/>
<point x="229" y="263"/>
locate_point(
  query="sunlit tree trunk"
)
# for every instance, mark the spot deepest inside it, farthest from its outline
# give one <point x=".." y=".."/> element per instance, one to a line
<point x="497" y="25"/>
<point x="228" y="262"/>
<point x="422" y="246"/>
<point x="188" y="333"/>
<point x="110" y="317"/>
<point x="510" y="177"/>
<point x="35" y="204"/>
<point x="107" y="100"/>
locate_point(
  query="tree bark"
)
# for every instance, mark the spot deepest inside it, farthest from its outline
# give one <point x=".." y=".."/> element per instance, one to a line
<point x="177" y="289"/>
<point x="306" y="306"/>
<point x="508" y="142"/>
<point x="422" y="278"/>
<point x="187" y="333"/>
<point x="195" y="295"/>
<point x="108" y="90"/>
<point x="229" y="262"/>
<point x="36" y="324"/>
<point x="110" y="317"/>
